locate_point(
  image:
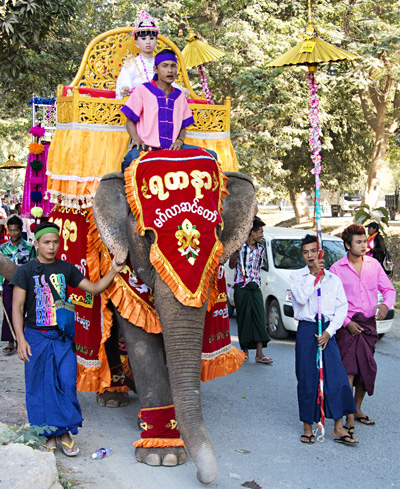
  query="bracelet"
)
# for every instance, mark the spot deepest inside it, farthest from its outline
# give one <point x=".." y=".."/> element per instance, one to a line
<point x="181" y="140"/>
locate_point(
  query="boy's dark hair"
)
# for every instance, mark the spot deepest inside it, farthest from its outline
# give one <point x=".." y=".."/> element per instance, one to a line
<point x="15" y="220"/>
<point x="350" y="231"/>
<point x="308" y="239"/>
<point x="257" y="224"/>
<point x="45" y="225"/>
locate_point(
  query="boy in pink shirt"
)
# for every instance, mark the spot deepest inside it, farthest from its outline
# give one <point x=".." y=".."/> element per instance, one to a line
<point x="157" y="113"/>
<point x="362" y="277"/>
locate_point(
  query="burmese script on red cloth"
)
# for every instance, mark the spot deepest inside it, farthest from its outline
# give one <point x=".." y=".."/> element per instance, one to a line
<point x="178" y="195"/>
<point x="217" y="337"/>
<point x="88" y="318"/>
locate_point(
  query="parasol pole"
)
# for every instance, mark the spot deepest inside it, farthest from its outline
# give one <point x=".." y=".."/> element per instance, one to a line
<point x="312" y="51"/>
<point x="315" y="148"/>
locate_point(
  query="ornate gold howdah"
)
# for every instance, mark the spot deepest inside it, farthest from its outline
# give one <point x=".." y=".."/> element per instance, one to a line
<point x="99" y="69"/>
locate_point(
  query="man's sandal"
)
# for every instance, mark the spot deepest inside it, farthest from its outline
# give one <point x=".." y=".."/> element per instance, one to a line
<point x="70" y="446"/>
<point x="350" y="430"/>
<point x="45" y="448"/>
<point x="364" y="420"/>
<point x="307" y="439"/>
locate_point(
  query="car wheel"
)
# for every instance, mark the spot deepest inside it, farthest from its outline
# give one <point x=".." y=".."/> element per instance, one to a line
<point x="231" y="309"/>
<point x="274" y="321"/>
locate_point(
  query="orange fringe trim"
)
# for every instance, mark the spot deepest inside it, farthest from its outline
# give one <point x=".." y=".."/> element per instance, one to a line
<point x="92" y="379"/>
<point x="182" y="294"/>
<point x="213" y="291"/>
<point x="105" y="374"/>
<point x="225" y="364"/>
<point x="159" y="442"/>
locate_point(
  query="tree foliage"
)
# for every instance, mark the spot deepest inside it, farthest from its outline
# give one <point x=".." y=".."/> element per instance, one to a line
<point x="270" y="127"/>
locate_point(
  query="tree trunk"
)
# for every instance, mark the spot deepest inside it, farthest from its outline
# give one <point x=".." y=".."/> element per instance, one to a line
<point x="300" y="207"/>
<point x="371" y="194"/>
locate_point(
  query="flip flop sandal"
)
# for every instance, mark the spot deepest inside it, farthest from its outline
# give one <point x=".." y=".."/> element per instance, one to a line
<point x="350" y="430"/>
<point x="345" y="440"/>
<point x="364" y="420"/>
<point x="310" y="439"/>
<point x="246" y="358"/>
<point x="70" y="446"/>
<point x="8" y="350"/>
<point x="265" y="361"/>
<point x="45" y="448"/>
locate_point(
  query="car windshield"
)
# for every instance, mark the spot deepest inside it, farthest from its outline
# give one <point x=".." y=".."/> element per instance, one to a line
<point x="287" y="253"/>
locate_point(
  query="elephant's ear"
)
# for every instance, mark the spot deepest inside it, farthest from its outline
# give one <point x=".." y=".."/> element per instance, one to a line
<point x="240" y="207"/>
<point x="110" y="212"/>
<point x="7" y="267"/>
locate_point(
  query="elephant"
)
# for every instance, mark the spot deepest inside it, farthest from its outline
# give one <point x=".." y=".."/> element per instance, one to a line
<point x="166" y="367"/>
<point x="176" y="380"/>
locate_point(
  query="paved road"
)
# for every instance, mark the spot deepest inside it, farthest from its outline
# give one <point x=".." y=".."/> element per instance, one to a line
<point x="253" y="422"/>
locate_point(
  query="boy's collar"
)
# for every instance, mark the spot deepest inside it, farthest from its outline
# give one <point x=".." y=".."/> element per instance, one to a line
<point x="154" y="83"/>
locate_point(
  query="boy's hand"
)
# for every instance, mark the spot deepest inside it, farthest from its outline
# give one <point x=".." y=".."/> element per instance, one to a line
<point x="354" y="328"/>
<point x="317" y="266"/>
<point x="381" y="312"/>
<point x="116" y="267"/>
<point x="124" y="91"/>
<point x="323" y="339"/>
<point x="176" y="145"/>
<point x="136" y="141"/>
<point x="24" y="350"/>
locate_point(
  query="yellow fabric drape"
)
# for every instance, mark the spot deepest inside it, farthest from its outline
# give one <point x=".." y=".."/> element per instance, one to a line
<point x="84" y="154"/>
<point x="224" y="149"/>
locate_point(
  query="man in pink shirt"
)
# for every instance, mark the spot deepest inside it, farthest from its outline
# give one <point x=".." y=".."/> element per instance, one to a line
<point x="362" y="277"/>
<point x="157" y="113"/>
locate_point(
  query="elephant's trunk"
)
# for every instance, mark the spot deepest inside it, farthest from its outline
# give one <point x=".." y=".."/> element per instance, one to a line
<point x="183" y="337"/>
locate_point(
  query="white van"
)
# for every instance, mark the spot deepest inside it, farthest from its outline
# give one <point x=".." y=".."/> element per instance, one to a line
<point x="283" y="255"/>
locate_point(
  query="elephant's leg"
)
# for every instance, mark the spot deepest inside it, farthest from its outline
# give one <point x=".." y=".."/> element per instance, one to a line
<point x="146" y="355"/>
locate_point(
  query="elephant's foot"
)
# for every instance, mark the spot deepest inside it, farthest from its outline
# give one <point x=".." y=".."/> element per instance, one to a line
<point x="166" y="456"/>
<point x="113" y="399"/>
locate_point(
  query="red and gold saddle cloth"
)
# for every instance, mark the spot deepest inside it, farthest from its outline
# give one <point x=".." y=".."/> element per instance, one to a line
<point x="179" y="196"/>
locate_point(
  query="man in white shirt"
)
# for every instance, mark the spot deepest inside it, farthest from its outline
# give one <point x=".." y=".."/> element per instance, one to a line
<point x="337" y="393"/>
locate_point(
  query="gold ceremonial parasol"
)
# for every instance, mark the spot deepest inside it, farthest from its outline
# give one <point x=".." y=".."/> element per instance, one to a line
<point x="312" y="51"/>
<point x="196" y="53"/>
<point x="12" y="164"/>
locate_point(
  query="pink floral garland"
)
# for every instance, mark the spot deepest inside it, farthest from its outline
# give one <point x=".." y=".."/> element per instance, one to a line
<point x="204" y="83"/>
<point x="315" y="123"/>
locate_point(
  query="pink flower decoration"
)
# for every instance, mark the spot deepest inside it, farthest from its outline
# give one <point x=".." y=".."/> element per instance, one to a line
<point x="37" y="131"/>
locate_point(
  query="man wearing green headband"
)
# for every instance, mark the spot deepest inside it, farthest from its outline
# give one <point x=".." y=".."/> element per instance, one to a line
<point x="50" y="368"/>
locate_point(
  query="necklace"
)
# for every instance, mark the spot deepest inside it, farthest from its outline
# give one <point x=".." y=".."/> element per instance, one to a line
<point x="146" y="73"/>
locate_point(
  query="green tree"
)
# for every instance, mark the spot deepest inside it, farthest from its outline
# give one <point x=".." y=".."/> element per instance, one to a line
<point x="373" y="31"/>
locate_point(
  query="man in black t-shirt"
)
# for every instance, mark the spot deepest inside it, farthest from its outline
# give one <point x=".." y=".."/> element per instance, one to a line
<point x="50" y="368"/>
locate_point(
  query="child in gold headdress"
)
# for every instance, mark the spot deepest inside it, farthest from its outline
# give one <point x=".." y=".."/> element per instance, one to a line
<point x="138" y="70"/>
